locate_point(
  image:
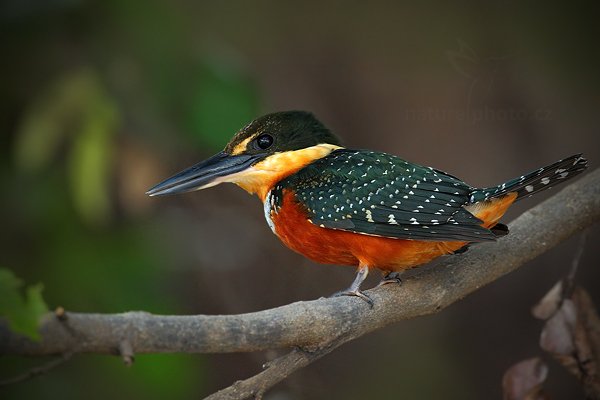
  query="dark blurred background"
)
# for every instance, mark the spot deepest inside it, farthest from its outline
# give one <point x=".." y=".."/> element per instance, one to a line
<point x="99" y="100"/>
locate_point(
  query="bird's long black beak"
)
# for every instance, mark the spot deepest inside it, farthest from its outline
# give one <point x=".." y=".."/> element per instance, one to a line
<point x="204" y="174"/>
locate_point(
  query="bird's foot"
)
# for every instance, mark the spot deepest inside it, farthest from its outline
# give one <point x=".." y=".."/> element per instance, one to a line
<point x="354" y="289"/>
<point x="355" y="293"/>
<point x="391" y="277"/>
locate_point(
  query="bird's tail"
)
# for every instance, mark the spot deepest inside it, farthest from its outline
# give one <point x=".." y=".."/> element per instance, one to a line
<point x="535" y="181"/>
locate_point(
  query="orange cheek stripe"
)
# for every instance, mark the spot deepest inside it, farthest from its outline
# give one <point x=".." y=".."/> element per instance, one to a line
<point x="241" y="147"/>
<point x="261" y="177"/>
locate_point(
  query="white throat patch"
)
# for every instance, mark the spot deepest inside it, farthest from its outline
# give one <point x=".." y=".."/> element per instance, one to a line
<point x="268" y="207"/>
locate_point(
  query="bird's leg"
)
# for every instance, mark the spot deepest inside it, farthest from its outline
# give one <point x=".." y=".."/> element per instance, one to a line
<point x="391" y="277"/>
<point x="354" y="289"/>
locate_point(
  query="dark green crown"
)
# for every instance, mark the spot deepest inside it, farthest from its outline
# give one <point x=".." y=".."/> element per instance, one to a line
<point x="288" y="130"/>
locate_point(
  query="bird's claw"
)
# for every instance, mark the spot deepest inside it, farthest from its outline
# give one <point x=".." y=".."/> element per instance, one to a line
<point x="392" y="277"/>
<point x="355" y="293"/>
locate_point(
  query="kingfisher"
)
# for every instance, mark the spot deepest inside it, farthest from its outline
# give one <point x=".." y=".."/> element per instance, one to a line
<point x="360" y="208"/>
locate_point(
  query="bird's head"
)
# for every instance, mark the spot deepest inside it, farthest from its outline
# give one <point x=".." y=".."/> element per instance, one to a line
<point x="259" y="155"/>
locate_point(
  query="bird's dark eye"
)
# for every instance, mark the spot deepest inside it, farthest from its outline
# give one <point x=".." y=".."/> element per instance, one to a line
<point x="264" y="141"/>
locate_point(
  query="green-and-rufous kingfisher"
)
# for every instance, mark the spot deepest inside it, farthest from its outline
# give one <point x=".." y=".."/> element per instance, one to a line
<point x="360" y="208"/>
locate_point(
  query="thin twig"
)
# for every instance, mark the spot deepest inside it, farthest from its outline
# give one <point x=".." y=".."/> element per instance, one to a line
<point x="36" y="371"/>
<point x="126" y="352"/>
<point x="277" y="370"/>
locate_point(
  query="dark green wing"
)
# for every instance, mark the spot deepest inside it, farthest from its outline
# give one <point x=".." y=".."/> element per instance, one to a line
<point x="382" y="195"/>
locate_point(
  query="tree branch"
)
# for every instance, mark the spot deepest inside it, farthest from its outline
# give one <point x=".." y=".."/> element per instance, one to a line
<point x="316" y="327"/>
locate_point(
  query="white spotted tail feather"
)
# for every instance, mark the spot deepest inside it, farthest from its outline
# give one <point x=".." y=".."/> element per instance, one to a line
<point x="535" y="181"/>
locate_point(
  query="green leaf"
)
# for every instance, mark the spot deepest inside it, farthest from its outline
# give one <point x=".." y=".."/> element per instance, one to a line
<point x="23" y="313"/>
